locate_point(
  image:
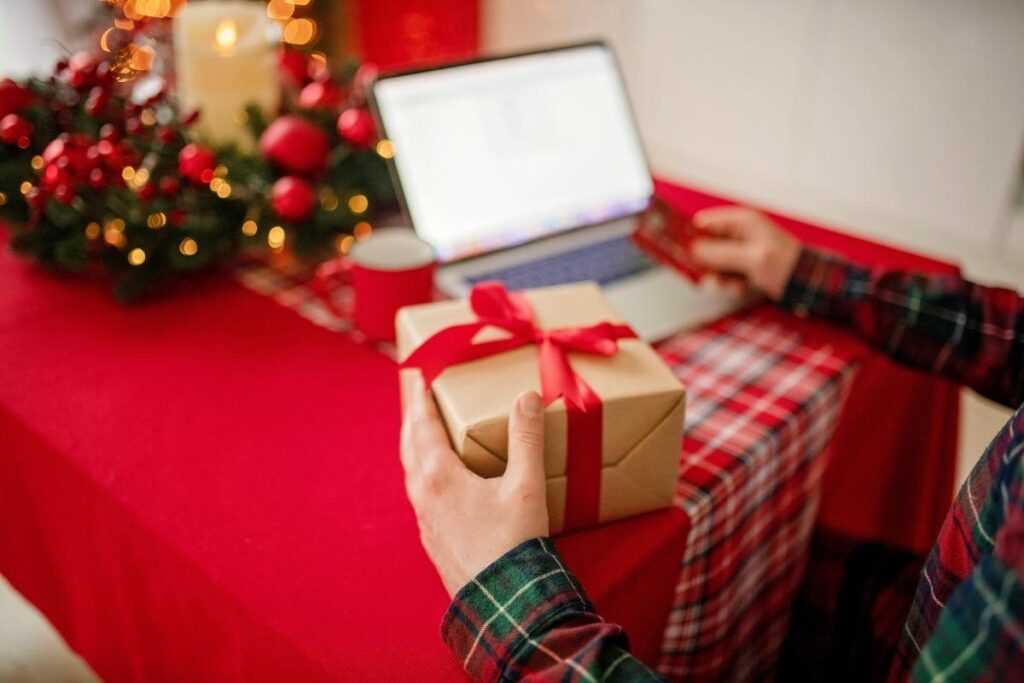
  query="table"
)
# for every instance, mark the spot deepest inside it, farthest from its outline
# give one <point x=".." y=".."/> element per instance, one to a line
<point x="206" y="488"/>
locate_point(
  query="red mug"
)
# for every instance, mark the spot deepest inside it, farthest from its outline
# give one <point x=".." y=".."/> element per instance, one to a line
<point x="389" y="269"/>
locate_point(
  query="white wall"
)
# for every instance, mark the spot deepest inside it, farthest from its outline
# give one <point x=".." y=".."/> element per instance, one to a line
<point x="35" y="34"/>
<point x="903" y="120"/>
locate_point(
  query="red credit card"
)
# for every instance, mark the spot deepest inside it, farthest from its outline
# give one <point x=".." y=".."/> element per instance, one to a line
<point x="666" y="235"/>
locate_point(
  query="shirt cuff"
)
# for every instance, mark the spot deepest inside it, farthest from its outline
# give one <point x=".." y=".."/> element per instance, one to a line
<point x="823" y="284"/>
<point x="518" y="595"/>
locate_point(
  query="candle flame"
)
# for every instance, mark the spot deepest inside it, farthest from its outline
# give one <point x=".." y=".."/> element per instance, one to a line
<point x="226" y="36"/>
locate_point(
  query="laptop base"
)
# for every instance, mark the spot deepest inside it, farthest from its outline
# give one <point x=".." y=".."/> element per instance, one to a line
<point x="656" y="301"/>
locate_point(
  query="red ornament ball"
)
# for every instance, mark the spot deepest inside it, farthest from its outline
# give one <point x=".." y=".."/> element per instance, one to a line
<point x="97" y="179"/>
<point x="114" y="157"/>
<point x="166" y="135"/>
<point x="13" y="97"/>
<point x="109" y="132"/>
<point x="81" y="70"/>
<point x="55" y="175"/>
<point x="15" y="130"/>
<point x="70" y="152"/>
<point x="57" y="147"/>
<point x="96" y="102"/>
<point x="82" y="61"/>
<point x="64" y="194"/>
<point x="295" y="145"/>
<point x="169" y="186"/>
<point x="196" y="163"/>
<point x="105" y="74"/>
<point x="292" y="68"/>
<point x="36" y="198"/>
<point x="363" y="80"/>
<point x="317" y="95"/>
<point x="356" y="126"/>
<point x="293" y="198"/>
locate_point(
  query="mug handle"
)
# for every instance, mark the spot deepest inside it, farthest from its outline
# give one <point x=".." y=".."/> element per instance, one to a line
<point x="329" y="275"/>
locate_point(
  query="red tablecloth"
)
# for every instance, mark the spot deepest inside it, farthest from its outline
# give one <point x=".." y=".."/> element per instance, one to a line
<point x="207" y="488"/>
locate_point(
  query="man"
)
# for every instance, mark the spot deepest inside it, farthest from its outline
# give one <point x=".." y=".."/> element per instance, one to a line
<point x="517" y="610"/>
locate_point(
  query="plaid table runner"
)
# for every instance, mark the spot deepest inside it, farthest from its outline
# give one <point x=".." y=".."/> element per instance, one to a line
<point x="762" y="405"/>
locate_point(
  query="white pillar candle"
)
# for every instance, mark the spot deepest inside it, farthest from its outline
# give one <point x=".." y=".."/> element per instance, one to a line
<point x="225" y="58"/>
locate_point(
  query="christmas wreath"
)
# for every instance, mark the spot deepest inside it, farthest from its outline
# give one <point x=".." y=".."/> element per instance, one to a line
<point x="95" y="179"/>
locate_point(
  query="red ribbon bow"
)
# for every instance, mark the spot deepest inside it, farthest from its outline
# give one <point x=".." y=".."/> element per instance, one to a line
<point x="494" y="306"/>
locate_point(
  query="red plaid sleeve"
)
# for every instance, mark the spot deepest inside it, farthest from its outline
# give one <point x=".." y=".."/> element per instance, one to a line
<point x="526" y="617"/>
<point x="940" y="323"/>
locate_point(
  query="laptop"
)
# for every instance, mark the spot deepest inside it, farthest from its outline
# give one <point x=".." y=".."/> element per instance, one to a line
<point x="529" y="169"/>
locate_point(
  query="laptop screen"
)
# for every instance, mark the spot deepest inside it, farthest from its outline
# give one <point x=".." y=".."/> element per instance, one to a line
<point x="496" y="153"/>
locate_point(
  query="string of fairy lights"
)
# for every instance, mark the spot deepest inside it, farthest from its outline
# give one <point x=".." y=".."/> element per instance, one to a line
<point x="133" y="58"/>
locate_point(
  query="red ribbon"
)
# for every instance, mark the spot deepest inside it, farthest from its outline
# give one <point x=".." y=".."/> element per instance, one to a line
<point x="494" y="306"/>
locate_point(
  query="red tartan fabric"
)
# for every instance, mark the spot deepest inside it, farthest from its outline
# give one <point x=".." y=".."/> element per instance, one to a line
<point x="761" y="408"/>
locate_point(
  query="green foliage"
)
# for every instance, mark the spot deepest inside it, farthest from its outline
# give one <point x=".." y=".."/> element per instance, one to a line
<point x="102" y="226"/>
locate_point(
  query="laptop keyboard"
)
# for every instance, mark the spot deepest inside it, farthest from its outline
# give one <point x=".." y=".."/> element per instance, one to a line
<point x="604" y="262"/>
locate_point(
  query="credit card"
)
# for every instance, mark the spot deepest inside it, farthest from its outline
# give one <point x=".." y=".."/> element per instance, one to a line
<point x="666" y="236"/>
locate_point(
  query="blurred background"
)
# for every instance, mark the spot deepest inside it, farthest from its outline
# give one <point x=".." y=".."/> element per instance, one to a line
<point x="900" y="121"/>
<point x="903" y="121"/>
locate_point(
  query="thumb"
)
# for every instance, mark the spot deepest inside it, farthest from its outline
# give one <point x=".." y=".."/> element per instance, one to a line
<point x="722" y="255"/>
<point x="526" y="440"/>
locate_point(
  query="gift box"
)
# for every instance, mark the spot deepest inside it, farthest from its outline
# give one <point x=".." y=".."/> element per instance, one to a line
<point x="614" y="415"/>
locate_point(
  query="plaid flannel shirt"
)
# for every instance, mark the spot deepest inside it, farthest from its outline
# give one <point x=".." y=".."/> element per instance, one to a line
<point x="527" y="617"/>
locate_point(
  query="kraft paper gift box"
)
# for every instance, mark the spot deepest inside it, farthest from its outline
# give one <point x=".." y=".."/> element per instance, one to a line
<point x="642" y="401"/>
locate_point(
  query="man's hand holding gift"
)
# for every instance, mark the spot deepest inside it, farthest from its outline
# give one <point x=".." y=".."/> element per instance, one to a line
<point x="466" y="521"/>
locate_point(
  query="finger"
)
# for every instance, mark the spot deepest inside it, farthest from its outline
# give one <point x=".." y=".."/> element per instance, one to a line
<point x="734" y="285"/>
<point x="428" y="439"/>
<point x="726" y="221"/>
<point x="718" y="281"/>
<point x="722" y="280"/>
<point x="406" y="450"/>
<point x="526" y="441"/>
<point x="724" y="256"/>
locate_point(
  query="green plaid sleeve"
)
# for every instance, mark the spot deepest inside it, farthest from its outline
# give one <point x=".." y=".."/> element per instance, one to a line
<point x="942" y="324"/>
<point x="979" y="636"/>
<point x="966" y="622"/>
<point x="526" y="617"/>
